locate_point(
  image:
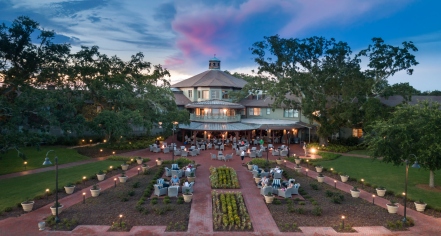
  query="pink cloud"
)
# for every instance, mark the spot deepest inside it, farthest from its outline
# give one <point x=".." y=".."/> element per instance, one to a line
<point x="172" y="62"/>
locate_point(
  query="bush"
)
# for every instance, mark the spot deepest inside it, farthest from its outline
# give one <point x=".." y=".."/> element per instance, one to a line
<point x="314" y="186"/>
<point x="300" y="211"/>
<point x="317" y="211"/>
<point x="329" y="193"/>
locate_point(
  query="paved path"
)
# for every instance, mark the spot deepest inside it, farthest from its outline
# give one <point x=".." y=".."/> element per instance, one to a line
<point x="200" y="222"/>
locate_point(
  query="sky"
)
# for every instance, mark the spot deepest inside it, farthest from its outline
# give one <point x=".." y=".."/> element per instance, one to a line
<point x="182" y="35"/>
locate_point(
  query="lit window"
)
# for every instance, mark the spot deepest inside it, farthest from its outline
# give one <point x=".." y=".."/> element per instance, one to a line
<point x="290" y="113"/>
<point x="254" y="111"/>
<point x="205" y="94"/>
<point x="225" y="94"/>
<point x="357" y="133"/>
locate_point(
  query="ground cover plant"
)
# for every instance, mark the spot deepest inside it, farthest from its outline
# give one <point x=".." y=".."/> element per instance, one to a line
<point x="323" y="205"/>
<point x="230" y="212"/>
<point x="131" y="201"/>
<point x="12" y="162"/>
<point x="377" y="173"/>
<point x="223" y="177"/>
<point x="34" y="185"/>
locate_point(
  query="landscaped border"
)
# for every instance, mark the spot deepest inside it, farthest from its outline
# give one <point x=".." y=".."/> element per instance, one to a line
<point x="223" y="177"/>
<point x="230" y="212"/>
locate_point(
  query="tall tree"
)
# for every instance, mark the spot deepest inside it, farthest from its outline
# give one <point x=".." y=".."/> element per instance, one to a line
<point x="412" y="130"/>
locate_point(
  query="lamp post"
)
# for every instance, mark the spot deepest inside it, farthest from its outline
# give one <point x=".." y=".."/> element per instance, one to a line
<point x="289" y="140"/>
<point x="175" y="123"/>
<point x="48" y="162"/>
<point x="267" y="155"/>
<point x="415" y="165"/>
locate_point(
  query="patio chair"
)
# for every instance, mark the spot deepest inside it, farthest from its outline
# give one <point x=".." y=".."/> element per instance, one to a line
<point x="276" y="185"/>
<point x="286" y="183"/>
<point x="255" y="173"/>
<point x="156" y="149"/>
<point x="159" y="190"/>
<point x="220" y="155"/>
<point x="238" y="151"/>
<point x="173" y="191"/>
<point x="203" y="147"/>
<point x="284" y="153"/>
<point x="254" y="149"/>
<point x="255" y="167"/>
<point x="295" y="189"/>
<point x="229" y="157"/>
<point x="285" y="193"/>
<point x="222" y="147"/>
<point x="263" y="173"/>
<point x="209" y="146"/>
<point x="188" y="173"/>
<point x="184" y="153"/>
<point x="270" y="146"/>
<point x="275" y="152"/>
<point x="265" y="190"/>
<point x="167" y="172"/>
<point x="151" y="148"/>
<point x="213" y="156"/>
<point x="189" y="187"/>
<point x="175" y="166"/>
<point x="259" y="153"/>
<point x="277" y="175"/>
<point x="177" y="152"/>
<point x="194" y="153"/>
<point x="234" y="146"/>
<point x="166" y="150"/>
<point x="178" y="173"/>
<point x="216" y="147"/>
<point x="253" y="154"/>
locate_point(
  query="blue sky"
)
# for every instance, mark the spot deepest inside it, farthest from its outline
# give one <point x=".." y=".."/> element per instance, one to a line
<point x="183" y="35"/>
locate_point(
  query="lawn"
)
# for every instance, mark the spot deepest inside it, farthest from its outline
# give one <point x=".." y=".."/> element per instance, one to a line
<point x="359" y="152"/>
<point x="15" y="190"/>
<point x="392" y="177"/>
<point x="11" y="163"/>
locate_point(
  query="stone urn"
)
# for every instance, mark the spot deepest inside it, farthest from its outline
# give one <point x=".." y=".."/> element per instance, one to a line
<point x="298" y="161"/>
<point x="27" y="206"/>
<point x="100" y="177"/>
<point x="144" y="168"/>
<point x="269" y="198"/>
<point x="257" y="179"/>
<point x="139" y="161"/>
<point x="250" y="166"/>
<point x="279" y="162"/>
<point x="122" y="179"/>
<point x="69" y="189"/>
<point x="319" y="169"/>
<point x="344" y="178"/>
<point x="95" y="192"/>
<point x="420" y="206"/>
<point x="381" y="192"/>
<point x="392" y="208"/>
<point x="320" y="179"/>
<point x="298" y="169"/>
<point x="191" y="179"/>
<point x="53" y="209"/>
<point x="187" y="197"/>
<point x="355" y="193"/>
<point x="124" y="167"/>
<point x="158" y="162"/>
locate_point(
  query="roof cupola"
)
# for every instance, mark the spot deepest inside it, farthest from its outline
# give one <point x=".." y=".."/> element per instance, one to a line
<point x="214" y="63"/>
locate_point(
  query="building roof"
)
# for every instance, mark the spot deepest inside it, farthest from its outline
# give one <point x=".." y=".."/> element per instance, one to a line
<point x="266" y="101"/>
<point x="211" y="78"/>
<point x="181" y="99"/>
<point x="398" y="99"/>
<point x="276" y="124"/>
<point x="214" y="104"/>
<point x="200" y="126"/>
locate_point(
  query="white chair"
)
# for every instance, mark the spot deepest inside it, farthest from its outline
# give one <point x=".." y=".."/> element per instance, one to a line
<point x="166" y="150"/>
<point x="203" y="147"/>
<point x="209" y="146"/>
<point x="222" y="147"/>
<point x="184" y="154"/>
<point x="194" y="153"/>
<point x="182" y="147"/>
<point x="228" y="157"/>
<point x="275" y="152"/>
<point x="253" y="149"/>
<point x="177" y="152"/>
<point x="270" y="146"/>
<point x="213" y="156"/>
<point x="220" y="155"/>
<point x="253" y="154"/>
<point x="173" y="191"/>
<point x="157" y="149"/>
<point x="284" y="153"/>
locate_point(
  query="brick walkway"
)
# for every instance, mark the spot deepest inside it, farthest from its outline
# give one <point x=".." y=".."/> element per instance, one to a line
<point x="200" y="222"/>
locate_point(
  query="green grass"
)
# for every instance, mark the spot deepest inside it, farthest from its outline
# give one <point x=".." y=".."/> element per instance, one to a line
<point x="16" y="190"/>
<point x="360" y="152"/>
<point x="11" y="163"/>
<point x="378" y="173"/>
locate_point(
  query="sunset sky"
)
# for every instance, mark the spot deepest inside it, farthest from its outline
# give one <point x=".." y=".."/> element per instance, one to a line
<point x="182" y="35"/>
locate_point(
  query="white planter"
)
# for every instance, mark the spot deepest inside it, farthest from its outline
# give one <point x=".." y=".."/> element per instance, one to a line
<point x="320" y="179"/>
<point x="69" y="190"/>
<point x="158" y="162"/>
<point x="298" y="169"/>
<point x="100" y="177"/>
<point x="124" y="167"/>
<point x="139" y="161"/>
<point x="122" y="179"/>
<point x="355" y="193"/>
<point x="188" y="197"/>
<point x="269" y="199"/>
<point x="41" y="225"/>
<point x="95" y="193"/>
<point x="27" y="207"/>
<point x="420" y="207"/>
<point x="381" y="192"/>
<point x="257" y="180"/>
<point x="60" y="209"/>
<point x="344" y="178"/>
<point x="144" y="168"/>
<point x="279" y="162"/>
<point x="319" y="169"/>
<point x="250" y="167"/>
<point x="392" y="209"/>
<point x="298" y="161"/>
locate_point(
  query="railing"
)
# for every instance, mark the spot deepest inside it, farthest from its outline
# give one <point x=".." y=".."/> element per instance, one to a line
<point x="215" y="118"/>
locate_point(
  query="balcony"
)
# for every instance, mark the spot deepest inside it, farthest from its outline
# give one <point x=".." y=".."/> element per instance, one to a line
<point x="215" y="118"/>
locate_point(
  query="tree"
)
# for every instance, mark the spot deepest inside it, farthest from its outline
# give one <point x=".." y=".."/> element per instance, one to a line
<point x="326" y="76"/>
<point x="411" y="130"/>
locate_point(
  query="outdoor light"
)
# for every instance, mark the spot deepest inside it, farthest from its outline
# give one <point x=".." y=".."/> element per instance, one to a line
<point x="83" y="140"/>
<point x="25" y="163"/>
<point x="47" y="193"/>
<point x="138" y="170"/>
<point x="373" y="198"/>
<point x="284" y="162"/>
<point x="114" y="179"/>
<point x="306" y="171"/>
<point x="131" y="160"/>
<point x="120" y="219"/>
<point x="84" y="197"/>
<point x="104" y="140"/>
<point x="332" y="169"/>
<point x="113" y="152"/>
<point x="160" y="125"/>
<point x="84" y="179"/>
<point x="415" y="165"/>
<point x="343" y="221"/>
<point x="335" y="183"/>
<point x="313" y="150"/>
<point x="111" y="168"/>
<point x="101" y="150"/>
<point x="90" y="140"/>
<point x="48" y="162"/>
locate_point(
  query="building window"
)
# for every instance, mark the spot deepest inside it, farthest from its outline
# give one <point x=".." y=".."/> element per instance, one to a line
<point x="205" y="94"/>
<point x="357" y="133"/>
<point x="190" y="93"/>
<point x="243" y="112"/>
<point x="290" y="113"/>
<point x="225" y="94"/>
<point x="198" y="111"/>
<point x="215" y="94"/>
<point x="268" y="111"/>
<point x="199" y="94"/>
<point x="254" y="111"/>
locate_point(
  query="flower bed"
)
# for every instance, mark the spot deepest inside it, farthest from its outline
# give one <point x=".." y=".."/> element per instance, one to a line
<point x="223" y="177"/>
<point x="230" y="212"/>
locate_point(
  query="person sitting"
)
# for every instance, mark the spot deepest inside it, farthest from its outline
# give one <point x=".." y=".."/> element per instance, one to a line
<point x="264" y="181"/>
<point x="175" y="180"/>
<point x="186" y="184"/>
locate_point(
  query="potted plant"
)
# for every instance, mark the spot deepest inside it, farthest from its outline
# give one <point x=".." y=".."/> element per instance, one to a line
<point x="250" y="165"/>
<point x="269" y="197"/>
<point x="144" y="168"/>
<point x="319" y="168"/>
<point x="27" y="205"/>
<point x="159" y="161"/>
<point x="344" y="177"/>
<point x="100" y="175"/>
<point x="298" y="168"/>
<point x="320" y="178"/>
<point x="123" y="177"/>
<point x="124" y="166"/>
<point x="54" y="208"/>
<point x="355" y="192"/>
<point x="187" y="195"/>
<point x="70" y="187"/>
<point x="279" y="161"/>
<point x="392" y="207"/>
<point x="420" y="205"/>
<point x="191" y="178"/>
<point x="95" y="190"/>
<point x="257" y="179"/>
<point x="381" y="191"/>
<point x="139" y="160"/>
<point x="297" y="159"/>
